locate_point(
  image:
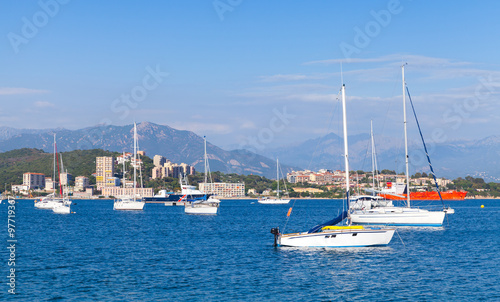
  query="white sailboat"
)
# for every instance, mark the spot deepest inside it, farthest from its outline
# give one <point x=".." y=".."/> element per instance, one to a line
<point x="133" y="202"/>
<point x="206" y="205"/>
<point x="370" y="201"/>
<point x="399" y="216"/>
<point x="53" y="200"/>
<point x="328" y="234"/>
<point x="277" y="200"/>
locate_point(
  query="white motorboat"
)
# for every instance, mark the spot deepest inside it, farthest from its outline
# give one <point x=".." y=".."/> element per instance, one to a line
<point x="328" y="234"/>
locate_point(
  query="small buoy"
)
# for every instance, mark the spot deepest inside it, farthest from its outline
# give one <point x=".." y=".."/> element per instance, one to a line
<point x="482" y="206"/>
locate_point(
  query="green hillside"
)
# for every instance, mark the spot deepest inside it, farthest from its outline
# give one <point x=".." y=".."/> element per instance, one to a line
<point x="13" y="164"/>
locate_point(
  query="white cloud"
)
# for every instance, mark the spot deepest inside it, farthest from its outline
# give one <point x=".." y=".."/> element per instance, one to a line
<point x="43" y="104"/>
<point x="203" y="128"/>
<point x="18" y="90"/>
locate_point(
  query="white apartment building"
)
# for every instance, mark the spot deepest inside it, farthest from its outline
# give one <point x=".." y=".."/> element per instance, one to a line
<point x="224" y="190"/>
<point x="81" y="183"/>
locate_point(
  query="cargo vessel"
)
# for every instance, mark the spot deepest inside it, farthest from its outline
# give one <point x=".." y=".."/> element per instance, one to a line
<point x="398" y="192"/>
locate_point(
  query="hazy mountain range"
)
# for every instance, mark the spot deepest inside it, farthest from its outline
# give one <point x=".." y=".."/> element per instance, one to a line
<point x="479" y="158"/>
<point x="179" y="146"/>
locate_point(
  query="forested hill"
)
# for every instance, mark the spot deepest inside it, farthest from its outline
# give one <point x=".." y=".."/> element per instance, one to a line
<point x="16" y="162"/>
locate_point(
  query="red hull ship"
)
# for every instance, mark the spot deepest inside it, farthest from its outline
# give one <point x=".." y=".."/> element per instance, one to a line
<point x="432" y="195"/>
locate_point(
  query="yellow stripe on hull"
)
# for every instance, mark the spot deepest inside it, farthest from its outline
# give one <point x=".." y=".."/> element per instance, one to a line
<point x="347" y="227"/>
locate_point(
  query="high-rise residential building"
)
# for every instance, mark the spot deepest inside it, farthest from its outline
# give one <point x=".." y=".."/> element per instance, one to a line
<point x="66" y="178"/>
<point x="33" y="180"/>
<point x="105" y="168"/>
<point x="159" y="160"/>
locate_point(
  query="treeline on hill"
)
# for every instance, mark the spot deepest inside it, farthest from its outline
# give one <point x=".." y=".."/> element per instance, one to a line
<point x="13" y="164"/>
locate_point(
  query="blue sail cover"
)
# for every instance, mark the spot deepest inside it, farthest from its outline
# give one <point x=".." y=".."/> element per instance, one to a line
<point x="331" y="222"/>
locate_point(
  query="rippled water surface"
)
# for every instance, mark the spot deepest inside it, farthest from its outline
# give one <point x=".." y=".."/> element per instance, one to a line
<point x="163" y="254"/>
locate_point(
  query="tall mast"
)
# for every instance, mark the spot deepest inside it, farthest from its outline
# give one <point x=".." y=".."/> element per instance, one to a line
<point x="54" y="174"/>
<point x="346" y="153"/>
<point x="373" y="157"/>
<point x="135" y="158"/>
<point x="277" y="178"/>
<point x="123" y="174"/>
<point x="406" y="141"/>
<point x="206" y="159"/>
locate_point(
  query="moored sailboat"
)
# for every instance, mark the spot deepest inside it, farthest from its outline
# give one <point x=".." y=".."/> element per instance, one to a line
<point x="133" y="202"/>
<point x="277" y="200"/>
<point x="207" y="204"/>
<point x="399" y="216"/>
<point x="329" y="234"/>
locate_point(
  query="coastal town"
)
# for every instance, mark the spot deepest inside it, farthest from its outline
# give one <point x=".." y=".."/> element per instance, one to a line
<point x="109" y="181"/>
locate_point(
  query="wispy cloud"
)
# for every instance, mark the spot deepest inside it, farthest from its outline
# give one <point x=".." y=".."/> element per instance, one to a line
<point x="202" y="128"/>
<point x="416" y="60"/>
<point x="43" y="104"/>
<point x="19" y="90"/>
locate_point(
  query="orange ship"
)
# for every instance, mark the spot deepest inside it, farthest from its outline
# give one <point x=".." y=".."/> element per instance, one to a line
<point x="432" y="195"/>
<point x="391" y="193"/>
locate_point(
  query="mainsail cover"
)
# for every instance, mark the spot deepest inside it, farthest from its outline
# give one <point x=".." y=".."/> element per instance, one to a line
<point x="331" y="222"/>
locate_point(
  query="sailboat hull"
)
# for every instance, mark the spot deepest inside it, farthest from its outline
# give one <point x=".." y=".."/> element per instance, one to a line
<point x="201" y="209"/>
<point x="338" y="238"/>
<point x="62" y="209"/>
<point x="273" y="201"/>
<point x="397" y="216"/>
<point x="128" y="206"/>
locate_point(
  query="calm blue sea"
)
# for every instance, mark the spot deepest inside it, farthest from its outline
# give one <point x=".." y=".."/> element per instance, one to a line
<point x="161" y="254"/>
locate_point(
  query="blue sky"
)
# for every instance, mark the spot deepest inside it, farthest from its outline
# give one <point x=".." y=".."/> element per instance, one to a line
<point x="254" y="74"/>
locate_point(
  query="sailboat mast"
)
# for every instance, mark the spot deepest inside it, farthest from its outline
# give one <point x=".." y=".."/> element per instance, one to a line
<point x="206" y="159"/>
<point x="123" y="174"/>
<point x="277" y="178"/>
<point x="54" y="173"/>
<point x="135" y="159"/>
<point x="373" y="157"/>
<point x="346" y="155"/>
<point x="406" y="140"/>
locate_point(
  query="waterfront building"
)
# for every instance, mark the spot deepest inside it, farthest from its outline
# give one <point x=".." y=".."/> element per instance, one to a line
<point x="33" y="180"/>
<point x="112" y="182"/>
<point x="104" y="168"/>
<point x="81" y="183"/>
<point x="50" y="185"/>
<point x="224" y="190"/>
<point x="117" y="191"/>
<point x="65" y="178"/>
